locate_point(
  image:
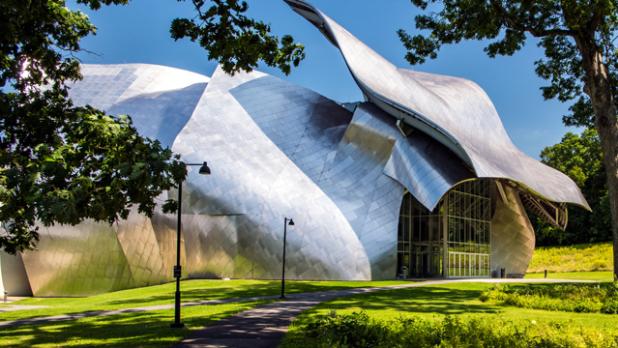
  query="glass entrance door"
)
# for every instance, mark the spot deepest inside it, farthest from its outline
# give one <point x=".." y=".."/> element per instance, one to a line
<point x="419" y="241"/>
<point x="451" y="241"/>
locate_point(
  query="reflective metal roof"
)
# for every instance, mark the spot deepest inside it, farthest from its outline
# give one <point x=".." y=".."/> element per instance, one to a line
<point x="454" y="111"/>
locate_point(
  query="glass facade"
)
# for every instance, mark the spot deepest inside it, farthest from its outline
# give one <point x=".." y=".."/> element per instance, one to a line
<point x="451" y="241"/>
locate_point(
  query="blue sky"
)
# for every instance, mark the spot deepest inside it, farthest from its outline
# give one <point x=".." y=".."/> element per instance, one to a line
<point x="139" y="33"/>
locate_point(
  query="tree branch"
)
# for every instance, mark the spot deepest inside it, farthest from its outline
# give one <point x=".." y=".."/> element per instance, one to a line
<point x="514" y="24"/>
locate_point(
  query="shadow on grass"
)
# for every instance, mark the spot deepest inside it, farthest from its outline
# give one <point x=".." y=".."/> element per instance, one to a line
<point x="268" y="288"/>
<point x="417" y="300"/>
<point x="192" y="290"/>
<point x="145" y="329"/>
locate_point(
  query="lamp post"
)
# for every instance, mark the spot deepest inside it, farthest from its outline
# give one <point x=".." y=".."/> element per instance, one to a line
<point x="204" y="170"/>
<point x="286" y="222"/>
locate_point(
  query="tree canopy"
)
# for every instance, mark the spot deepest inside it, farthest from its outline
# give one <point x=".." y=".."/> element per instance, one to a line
<point x="553" y="25"/>
<point x="580" y="157"/>
<point x="234" y="40"/>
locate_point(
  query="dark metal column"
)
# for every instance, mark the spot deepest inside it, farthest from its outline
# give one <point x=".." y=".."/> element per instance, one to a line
<point x="285" y="230"/>
<point x="177" y="268"/>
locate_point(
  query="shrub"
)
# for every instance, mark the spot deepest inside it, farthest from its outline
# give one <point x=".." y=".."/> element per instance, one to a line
<point x="359" y="330"/>
<point x="591" y="298"/>
<point x="610" y="307"/>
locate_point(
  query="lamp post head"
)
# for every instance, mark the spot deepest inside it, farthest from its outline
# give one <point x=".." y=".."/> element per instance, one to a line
<point x="291" y="222"/>
<point x="204" y="169"/>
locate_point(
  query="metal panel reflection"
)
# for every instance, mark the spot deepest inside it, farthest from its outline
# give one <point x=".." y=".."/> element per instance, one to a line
<point x="80" y="260"/>
<point x="453" y="111"/>
<point x="13" y="277"/>
<point x="255" y="179"/>
<point x="512" y="235"/>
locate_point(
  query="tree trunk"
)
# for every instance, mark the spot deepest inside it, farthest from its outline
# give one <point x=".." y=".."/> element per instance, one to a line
<point x="598" y="88"/>
<point x="607" y="127"/>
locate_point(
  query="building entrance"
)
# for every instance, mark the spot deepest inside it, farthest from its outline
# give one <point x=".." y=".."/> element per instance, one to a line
<point x="451" y="241"/>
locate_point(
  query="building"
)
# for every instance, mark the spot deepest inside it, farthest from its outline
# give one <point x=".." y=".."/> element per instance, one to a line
<point x="419" y="180"/>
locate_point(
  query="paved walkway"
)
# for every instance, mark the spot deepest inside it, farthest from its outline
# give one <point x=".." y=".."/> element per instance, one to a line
<point x="13" y="308"/>
<point x="265" y="326"/>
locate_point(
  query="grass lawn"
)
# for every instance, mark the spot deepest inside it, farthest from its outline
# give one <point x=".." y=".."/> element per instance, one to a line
<point x="572" y="258"/>
<point x="599" y="276"/>
<point x="433" y="302"/>
<point x="192" y="290"/>
<point x="146" y="329"/>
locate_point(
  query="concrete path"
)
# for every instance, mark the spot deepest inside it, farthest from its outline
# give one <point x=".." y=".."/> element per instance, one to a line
<point x="13" y="308"/>
<point x="265" y="326"/>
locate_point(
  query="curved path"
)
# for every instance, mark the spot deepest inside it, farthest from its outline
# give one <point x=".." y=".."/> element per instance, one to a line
<point x="265" y="326"/>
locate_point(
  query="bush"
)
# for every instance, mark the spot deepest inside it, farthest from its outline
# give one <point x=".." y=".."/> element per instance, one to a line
<point x="358" y="330"/>
<point x="610" y="307"/>
<point x="590" y="298"/>
<point x="355" y="330"/>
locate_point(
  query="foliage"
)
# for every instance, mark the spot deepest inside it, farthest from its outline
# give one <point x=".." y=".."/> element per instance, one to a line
<point x="560" y="28"/>
<point x="579" y="156"/>
<point x="572" y="258"/>
<point x="62" y="164"/>
<point x="360" y="330"/>
<point x="236" y="41"/>
<point x="588" y="298"/>
<point x="433" y="302"/>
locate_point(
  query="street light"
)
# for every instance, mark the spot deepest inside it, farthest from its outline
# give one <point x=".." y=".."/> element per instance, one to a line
<point x="286" y="222"/>
<point x="204" y="170"/>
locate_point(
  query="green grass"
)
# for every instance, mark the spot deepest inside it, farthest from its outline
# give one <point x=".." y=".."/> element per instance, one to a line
<point x="573" y="258"/>
<point x="435" y="302"/>
<point x="145" y="329"/>
<point x="587" y="297"/>
<point x="192" y="290"/>
<point x="360" y="330"/>
<point x="598" y="276"/>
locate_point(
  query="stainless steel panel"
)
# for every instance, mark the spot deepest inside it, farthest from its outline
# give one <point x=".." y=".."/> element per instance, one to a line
<point x="512" y="235"/>
<point x="80" y="260"/>
<point x="255" y="178"/>
<point x="139" y="244"/>
<point x="159" y="99"/>
<point x="421" y="164"/>
<point x="454" y="111"/>
<point x="13" y="278"/>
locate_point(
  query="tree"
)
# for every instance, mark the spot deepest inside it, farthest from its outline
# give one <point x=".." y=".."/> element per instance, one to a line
<point x="234" y="40"/>
<point x="580" y="62"/>
<point x="580" y="157"/>
<point x="62" y="164"/>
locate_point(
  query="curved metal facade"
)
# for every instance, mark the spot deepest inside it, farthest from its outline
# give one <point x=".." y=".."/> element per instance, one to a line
<point x="452" y="110"/>
<point x="278" y="150"/>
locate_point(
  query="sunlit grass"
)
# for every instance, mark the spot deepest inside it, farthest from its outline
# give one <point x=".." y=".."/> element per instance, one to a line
<point x="572" y="258"/>
<point x="144" y="329"/>
<point x="571" y="297"/>
<point x="192" y="290"/>
<point x="435" y="302"/>
<point x="599" y="276"/>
